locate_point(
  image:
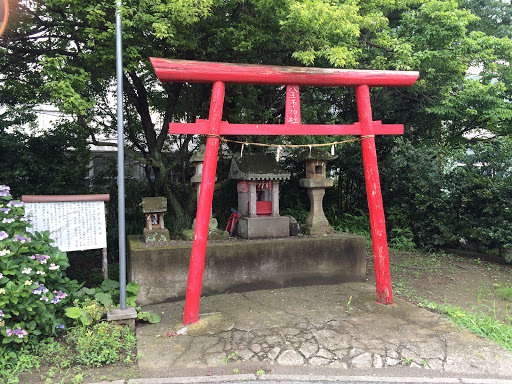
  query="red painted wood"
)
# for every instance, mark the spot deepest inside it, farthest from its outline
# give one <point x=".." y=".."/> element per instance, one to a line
<point x="169" y="70"/>
<point x="292" y="109"/>
<point x="195" y="273"/>
<point x="263" y="208"/>
<point x="220" y="73"/>
<point x="373" y="191"/>
<point x="200" y="127"/>
<point x="63" y="198"/>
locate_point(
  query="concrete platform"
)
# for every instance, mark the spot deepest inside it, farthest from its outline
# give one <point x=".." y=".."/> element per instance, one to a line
<point x="240" y="265"/>
<point x="333" y="331"/>
<point x="263" y="227"/>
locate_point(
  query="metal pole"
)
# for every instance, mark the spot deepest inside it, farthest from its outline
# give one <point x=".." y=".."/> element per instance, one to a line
<point x="120" y="158"/>
<point x="377" y="219"/>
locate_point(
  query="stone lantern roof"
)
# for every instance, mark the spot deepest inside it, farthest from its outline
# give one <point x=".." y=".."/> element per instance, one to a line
<point x="256" y="166"/>
<point x="198" y="156"/>
<point x="154" y="204"/>
<point x="316" y="153"/>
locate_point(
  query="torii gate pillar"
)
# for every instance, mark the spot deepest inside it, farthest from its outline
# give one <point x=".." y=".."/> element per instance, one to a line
<point x="374" y="196"/>
<point x="221" y="73"/>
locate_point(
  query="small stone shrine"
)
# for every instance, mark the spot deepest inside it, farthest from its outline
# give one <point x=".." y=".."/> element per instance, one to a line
<point x="258" y="176"/>
<point x="214" y="233"/>
<point x="154" y="209"/>
<point x="315" y="183"/>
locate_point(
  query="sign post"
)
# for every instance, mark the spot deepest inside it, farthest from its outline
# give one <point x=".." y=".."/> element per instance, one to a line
<point x="292" y="77"/>
<point x="75" y="222"/>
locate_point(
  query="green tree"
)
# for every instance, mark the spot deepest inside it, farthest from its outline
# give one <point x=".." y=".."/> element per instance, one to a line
<point x="54" y="163"/>
<point x="62" y="52"/>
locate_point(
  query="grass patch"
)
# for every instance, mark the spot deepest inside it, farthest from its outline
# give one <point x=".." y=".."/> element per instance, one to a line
<point x="483" y="325"/>
<point x="506" y="294"/>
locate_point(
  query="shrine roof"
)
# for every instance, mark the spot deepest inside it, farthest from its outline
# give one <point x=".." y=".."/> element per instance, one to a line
<point x="256" y="166"/>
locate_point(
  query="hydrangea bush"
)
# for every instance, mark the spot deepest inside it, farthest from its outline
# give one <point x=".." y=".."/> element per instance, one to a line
<point x="33" y="287"/>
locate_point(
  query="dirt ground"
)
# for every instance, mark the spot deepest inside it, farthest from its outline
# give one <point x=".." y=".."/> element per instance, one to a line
<point x="472" y="283"/>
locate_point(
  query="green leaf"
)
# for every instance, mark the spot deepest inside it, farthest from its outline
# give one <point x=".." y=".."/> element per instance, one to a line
<point x="104" y="298"/>
<point x="109" y="285"/>
<point x="73" y="312"/>
<point x="132" y="287"/>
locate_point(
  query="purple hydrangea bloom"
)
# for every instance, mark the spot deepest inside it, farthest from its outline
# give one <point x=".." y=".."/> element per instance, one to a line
<point x="41" y="258"/>
<point x="5" y="210"/>
<point x="59" y="295"/>
<point x="39" y="290"/>
<point x="16" y="204"/>
<point x="18" y="332"/>
<point x="3" y="235"/>
<point x="21" y="239"/>
<point x="5" y="190"/>
<point x="1" y="313"/>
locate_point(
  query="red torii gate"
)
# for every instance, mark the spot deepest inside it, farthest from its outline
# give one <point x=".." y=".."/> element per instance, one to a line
<point x="221" y="73"/>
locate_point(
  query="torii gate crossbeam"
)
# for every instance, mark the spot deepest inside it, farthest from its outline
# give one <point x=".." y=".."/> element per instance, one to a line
<point x="221" y="73"/>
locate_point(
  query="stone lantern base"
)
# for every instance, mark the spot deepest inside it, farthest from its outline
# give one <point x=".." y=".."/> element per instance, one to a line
<point x="155" y="235"/>
<point x="214" y="233"/>
<point x="316" y="222"/>
<point x="318" y="230"/>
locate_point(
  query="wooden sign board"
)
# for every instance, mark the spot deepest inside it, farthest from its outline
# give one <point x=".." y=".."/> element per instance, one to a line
<point x="75" y="225"/>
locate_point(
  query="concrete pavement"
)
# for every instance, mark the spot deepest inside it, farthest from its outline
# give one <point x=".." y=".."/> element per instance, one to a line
<point x="316" y="331"/>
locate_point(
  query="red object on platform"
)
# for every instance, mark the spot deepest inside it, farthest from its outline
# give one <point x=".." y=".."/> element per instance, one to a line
<point x="293" y="77"/>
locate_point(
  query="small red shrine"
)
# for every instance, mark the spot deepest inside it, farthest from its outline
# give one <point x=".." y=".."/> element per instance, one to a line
<point x="258" y="176"/>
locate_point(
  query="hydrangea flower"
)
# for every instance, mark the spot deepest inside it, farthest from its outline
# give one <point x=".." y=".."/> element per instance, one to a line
<point x="3" y="235"/>
<point x="2" y="291"/>
<point x="41" y="258"/>
<point x="59" y="326"/>
<point x="21" y="239"/>
<point x="18" y="332"/>
<point x="40" y="273"/>
<point x="27" y="219"/>
<point x="59" y="296"/>
<point x="5" y="210"/>
<point x="39" y="290"/>
<point x="5" y="190"/>
<point x="16" y="204"/>
<point x="1" y="275"/>
<point x="43" y="298"/>
<point x="5" y="220"/>
<point x="4" y="252"/>
<point x="53" y="267"/>
<point x="28" y="282"/>
<point x="26" y="271"/>
<point x="1" y="313"/>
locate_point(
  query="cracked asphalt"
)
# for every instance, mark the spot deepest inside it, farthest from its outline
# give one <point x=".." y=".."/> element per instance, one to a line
<point x="327" y="330"/>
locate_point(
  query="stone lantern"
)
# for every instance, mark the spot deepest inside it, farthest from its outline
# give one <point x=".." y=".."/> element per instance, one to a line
<point x="214" y="233"/>
<point x="315" y="183"/>
<point x="258" y="176"/>
<point x="154" y="209"/>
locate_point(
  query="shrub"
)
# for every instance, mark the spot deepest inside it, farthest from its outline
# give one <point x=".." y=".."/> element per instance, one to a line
<point x="103" y="343"/>
<point x="33" y="287"/>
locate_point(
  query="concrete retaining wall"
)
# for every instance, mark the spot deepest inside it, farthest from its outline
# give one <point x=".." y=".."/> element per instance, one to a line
<point x="237" y="265"/>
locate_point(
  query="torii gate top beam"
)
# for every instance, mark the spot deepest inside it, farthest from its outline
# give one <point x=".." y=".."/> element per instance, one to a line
<point x="187" y="71"/>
